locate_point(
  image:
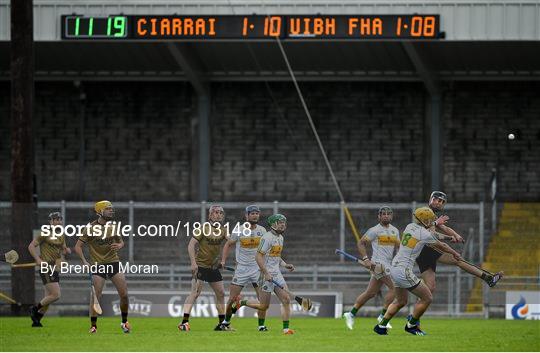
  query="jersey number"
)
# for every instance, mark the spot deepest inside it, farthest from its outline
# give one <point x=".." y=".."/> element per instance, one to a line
<point x="405" y="239"/>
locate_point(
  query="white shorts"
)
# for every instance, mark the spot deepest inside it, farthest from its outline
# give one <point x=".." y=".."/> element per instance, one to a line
<point x="386" y="266"/>
<point x="403" y="277"/>
<point x="269" y="286"/>
<point x="245" y="275"/>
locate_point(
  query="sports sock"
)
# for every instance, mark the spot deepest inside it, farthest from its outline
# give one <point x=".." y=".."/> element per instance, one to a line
<point x="124" y="317"/>
<point x="413" y="321"/>
<point x="261" y="322"/>
<point x="383" y="311"/>
<point x="185" y="319"/>
<point x="243" y="302"/>
<point x="285" y="324"/>
<point x="39" y="306"/>
<point x="93" y="321"/>
<point x="354" y="310"/>
<point x="39" y="315"/>
<point x="221" y="318"/>
<point x="228" y="317"/>
<point x="384" y="322"/>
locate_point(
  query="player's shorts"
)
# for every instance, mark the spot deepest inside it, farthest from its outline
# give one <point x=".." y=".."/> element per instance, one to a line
<point x="403" y="277"/>
<point x="386" y="266"/>
<point x="108" y="270"/>
<point x="428" y="259"/>
<point x="245" y="275"/>
<point x="209" y="275"/>
<point x="269" y="286"/>
<point x="47" y="278"/>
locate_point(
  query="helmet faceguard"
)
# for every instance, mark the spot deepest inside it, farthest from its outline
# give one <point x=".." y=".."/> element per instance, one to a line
<point x="104" y="209"/>
<point x="437" y="200"/>
<point x="278" y="223"/>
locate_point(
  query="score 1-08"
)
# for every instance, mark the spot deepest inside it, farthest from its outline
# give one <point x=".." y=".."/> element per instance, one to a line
<point x="418" y="26"/>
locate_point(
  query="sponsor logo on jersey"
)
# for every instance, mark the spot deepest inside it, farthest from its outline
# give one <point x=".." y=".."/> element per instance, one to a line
<point x="275" y="251"/>
<point x="250" y="243"/>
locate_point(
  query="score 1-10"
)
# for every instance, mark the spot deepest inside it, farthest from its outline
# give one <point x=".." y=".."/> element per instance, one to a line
<point x="272" y="26"/>
<point x="116" y="26"/>
<point x="213" y="229"/>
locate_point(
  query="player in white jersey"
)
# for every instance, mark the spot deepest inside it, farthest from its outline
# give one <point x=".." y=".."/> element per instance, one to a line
<point x="269" y="260"/>
<point x="246" y="271"/>
<point x="384" y="240"/>
<point x="415" y="236"/>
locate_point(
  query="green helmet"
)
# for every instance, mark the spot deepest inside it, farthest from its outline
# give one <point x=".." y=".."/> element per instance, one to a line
<point x="276" y="218"/>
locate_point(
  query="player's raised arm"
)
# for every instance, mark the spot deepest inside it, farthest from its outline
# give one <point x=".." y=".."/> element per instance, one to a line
<point x="450" y="232"/>
<point x="446" y="248"/>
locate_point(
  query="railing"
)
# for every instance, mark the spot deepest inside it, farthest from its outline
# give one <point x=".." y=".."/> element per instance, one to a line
<point x="475" y="237"/>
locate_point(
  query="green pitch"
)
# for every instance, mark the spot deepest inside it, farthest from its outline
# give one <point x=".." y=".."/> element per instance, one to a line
<point x="161" y="334"/>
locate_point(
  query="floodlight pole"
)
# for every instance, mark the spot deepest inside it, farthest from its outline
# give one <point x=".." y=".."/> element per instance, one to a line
<point x="185" y="56"/>
<point x="22" y="149"/>
<point x="433" y="111"/>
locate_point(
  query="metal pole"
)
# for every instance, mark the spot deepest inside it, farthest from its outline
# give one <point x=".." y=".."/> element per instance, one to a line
<point x="203" y="103"/>
<point x="131" y="225"/>
<point x="436" y="143"/>
<point x="22" y="148"/>
<point x="481" y="231"/>
<point x="342" y="230"/>
<point x="458" y="292"/>
<point x="315" y="276"/>
<point x="63" y="211"/>
<point x="485" y="300"/>
<point x="276" y="208"/>
<point x="171" y="276"/>
<point x="413" y="207"/>
<point x="450" y="295"/>
<point x="203" y="211"/>
<point x="472" y="254"/>
<point x="493" y="216"/>
<point x="481" y="255"/>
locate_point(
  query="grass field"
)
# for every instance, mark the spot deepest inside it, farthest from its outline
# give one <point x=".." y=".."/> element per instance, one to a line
<point x="161" y="334"/>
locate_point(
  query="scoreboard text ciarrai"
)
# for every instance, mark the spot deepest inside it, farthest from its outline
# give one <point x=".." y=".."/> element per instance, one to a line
<point x="224" y="27"/>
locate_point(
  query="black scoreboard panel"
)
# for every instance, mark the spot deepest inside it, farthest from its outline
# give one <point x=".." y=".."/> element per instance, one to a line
<point x="287" y="27"/>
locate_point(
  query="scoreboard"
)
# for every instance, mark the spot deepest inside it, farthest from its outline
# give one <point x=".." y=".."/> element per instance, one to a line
<point x="238" y="27"/>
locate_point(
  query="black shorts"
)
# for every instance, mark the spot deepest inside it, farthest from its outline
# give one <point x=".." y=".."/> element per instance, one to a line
<point x="428" y="259"/>
<point x="209" y="275"/>
<point x="47" y="278"/>
<point x="107" y="270"/>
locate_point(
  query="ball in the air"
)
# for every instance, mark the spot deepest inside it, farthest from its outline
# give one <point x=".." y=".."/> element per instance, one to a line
<point x="511" y="136"/>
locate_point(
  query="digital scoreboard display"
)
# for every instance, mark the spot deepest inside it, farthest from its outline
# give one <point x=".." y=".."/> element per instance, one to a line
<point x="287" y="27"/>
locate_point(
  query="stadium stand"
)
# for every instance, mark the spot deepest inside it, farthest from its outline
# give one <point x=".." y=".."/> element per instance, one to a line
<point x="123" y="160"/>
<point x="515" y="248"/>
